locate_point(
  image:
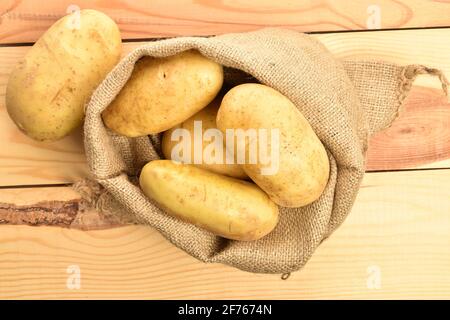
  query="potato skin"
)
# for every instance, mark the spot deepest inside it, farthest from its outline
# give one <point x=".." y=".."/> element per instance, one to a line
<point x="207" y="116"/>
<point x="48" y="88"/>
<point x="163" y="92"/>
<point x="228" y="207"/>
<point x="303" y="168"/>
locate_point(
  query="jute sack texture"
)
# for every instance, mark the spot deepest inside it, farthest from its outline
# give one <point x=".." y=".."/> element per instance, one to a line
<point x="344" y="101"/>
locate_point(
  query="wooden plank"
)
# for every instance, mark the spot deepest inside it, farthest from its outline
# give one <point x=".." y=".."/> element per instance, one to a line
<point x="402" y="47"/>
<point x="419" y="138"/>
<point x="26" y="20"/>
<point x="396" y="237"/>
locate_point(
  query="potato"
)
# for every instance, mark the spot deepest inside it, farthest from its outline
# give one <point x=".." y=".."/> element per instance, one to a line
<point x="294" y="171"/>
<point x="225" y="206"/>
<point x="49" y="87"/>
<point x="207" y="119"/>
<point x="163" y="92"/>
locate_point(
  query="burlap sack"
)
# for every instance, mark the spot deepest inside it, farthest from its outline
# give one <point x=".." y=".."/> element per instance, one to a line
<point x="344" y="102"/>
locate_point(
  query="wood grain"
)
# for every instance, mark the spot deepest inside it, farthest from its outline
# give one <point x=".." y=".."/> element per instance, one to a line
<point x="419" y="138"/>
<point x="26" y="20"/>
<point x="398" y="230"/>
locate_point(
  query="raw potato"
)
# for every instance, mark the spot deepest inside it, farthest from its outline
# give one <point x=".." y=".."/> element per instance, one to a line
<point x="228" y="207"/>
<point x="163" y="92"/>
<point x="47" y="90"/>
<point x="207" y="116"/>
<point x="303" y="167"/>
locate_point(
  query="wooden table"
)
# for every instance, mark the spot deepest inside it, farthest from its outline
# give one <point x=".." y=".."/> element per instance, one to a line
<point x="394" y="244"/>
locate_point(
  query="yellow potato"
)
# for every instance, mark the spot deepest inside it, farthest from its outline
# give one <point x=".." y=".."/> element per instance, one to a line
<point x="207" y="118"/>
<point x="163" y="92"/>
<point x="296" y="169"/>
<point x="49" y="87"/>
<point x="225" y="206"/>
